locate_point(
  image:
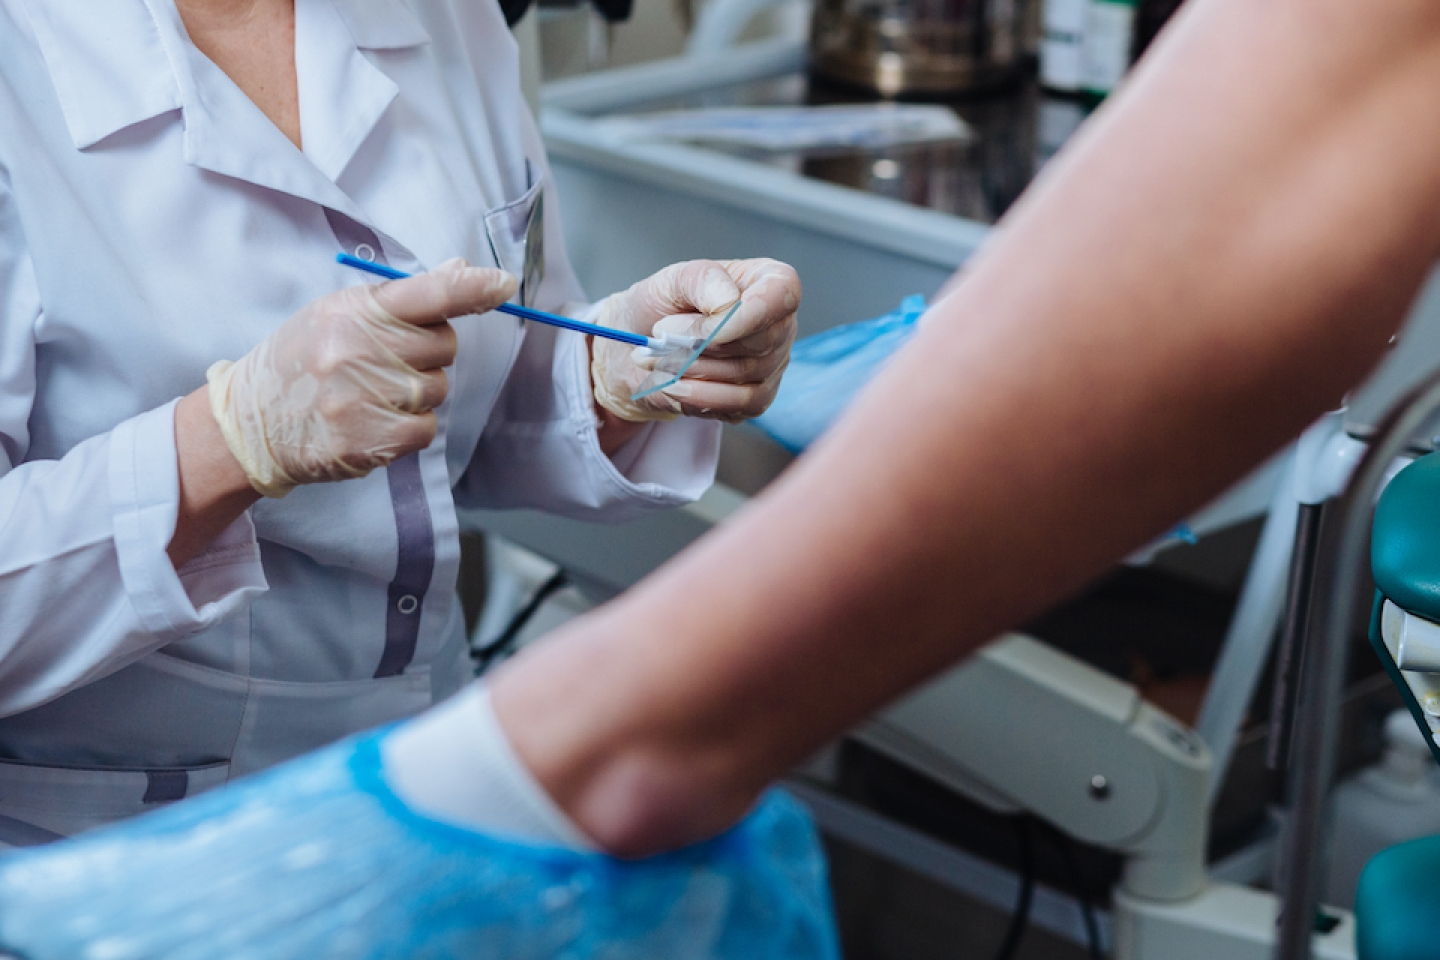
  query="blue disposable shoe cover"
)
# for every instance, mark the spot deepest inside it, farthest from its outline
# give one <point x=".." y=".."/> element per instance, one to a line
<point x="827" y="370"/>
<point x="318" y="858"/>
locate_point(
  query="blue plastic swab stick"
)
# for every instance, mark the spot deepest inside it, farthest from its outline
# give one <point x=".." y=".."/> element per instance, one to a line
<point x="515" y="310"/>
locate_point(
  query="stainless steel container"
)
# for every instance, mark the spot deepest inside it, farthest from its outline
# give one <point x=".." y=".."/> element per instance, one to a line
<point x="923" y="47"/>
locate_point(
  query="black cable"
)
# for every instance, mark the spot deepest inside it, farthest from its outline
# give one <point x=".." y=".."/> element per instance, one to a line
<point x="1082" y="891"/>
<point x="1020" y="916"/>
<point x="501" y="645"/>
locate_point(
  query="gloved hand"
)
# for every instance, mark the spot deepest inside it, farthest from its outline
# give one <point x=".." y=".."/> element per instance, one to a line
<point x="348" y="383"/>
<point x="737" y="376"/>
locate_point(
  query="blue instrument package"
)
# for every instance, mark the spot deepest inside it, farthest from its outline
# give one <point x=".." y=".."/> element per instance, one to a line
<point x="828" y="369"/>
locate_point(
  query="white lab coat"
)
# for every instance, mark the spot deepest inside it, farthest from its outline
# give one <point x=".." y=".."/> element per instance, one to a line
<point x="152" y="220"/>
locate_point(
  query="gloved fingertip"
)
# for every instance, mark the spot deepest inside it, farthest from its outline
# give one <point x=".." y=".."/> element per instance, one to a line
<point x="689" y="325"/>
<point x="507" y="281"/>
<point x="708" y="323"/>
<point x="753" y="313"/>
<point x="679" y="390"/>
<point x="731" y="311"/>
<point x="643" y="358"/>
<point x="713" y="288"/>
<point x="453" y="265"/>
<point x="492" y="287"/>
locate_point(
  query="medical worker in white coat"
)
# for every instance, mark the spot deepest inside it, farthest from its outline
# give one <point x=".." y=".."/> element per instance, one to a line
<point x="176" y="340"/>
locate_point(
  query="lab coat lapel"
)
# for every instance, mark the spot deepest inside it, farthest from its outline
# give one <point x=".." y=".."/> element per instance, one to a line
<point x="345" y="94"/>
<point x="344" y="86"/>
<point x="342" y="93"/>
<point x="230" y="136"/>
<point x="128" y="60"/>
<point x="227" y="134"/>
<point x="107" y="62"/>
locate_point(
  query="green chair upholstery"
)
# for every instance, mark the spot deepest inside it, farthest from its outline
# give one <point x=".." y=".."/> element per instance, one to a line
<point x="1397" y="906"/>
<point x="1405" y="561"/>
<point x="1405" y="545"/>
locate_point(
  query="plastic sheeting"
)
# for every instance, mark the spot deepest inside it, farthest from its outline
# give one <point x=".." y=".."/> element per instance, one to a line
<point x="827" y="370"/>
<point x="318" y="858"/>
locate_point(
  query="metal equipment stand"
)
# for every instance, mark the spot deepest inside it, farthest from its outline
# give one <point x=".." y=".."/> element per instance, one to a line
<point x="1323" y="670"/>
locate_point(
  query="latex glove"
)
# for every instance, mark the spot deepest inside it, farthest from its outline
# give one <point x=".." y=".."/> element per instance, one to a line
<point x="348" y="383"/>
<point x="737" y="376"/>
<point x="319" y="857"/>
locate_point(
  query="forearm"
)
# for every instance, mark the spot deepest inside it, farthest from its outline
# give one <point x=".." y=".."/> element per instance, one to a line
<point x="1224" y="250"/>
<point x="213" y="488"/>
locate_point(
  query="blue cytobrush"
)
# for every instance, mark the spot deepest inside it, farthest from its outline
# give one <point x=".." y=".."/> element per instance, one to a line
<point x="674" y="353"/>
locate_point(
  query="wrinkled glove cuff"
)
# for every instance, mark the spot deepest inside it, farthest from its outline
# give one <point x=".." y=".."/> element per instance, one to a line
<point x="260" y="467"/>
<point x="622" y="406"/>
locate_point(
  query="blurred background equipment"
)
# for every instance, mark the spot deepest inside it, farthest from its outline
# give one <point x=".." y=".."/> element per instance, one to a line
<point x="1393" y="800"/>
<point x="1088" y="45"/>
<point x="924" y="47"/>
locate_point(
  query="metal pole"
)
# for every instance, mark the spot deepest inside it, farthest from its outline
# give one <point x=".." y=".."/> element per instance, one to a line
<point x="1252" y="629"/>
<point x="1292" y="634"/>
<point x="1322" y="675"/>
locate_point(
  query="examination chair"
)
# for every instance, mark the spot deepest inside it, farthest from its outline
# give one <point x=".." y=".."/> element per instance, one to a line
<point x="1397" y="906"/>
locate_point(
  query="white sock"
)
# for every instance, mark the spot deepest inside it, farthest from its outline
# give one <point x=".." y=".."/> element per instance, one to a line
<point x="454" y="763"/>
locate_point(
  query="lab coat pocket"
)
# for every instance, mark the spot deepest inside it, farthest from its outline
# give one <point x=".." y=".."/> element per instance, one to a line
<point x="284" y="718"/>
<point x="39" y="803"/>
<point x="516" y="232"/>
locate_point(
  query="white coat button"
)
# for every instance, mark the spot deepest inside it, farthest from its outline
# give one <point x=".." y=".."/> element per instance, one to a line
<point x="365" y="252"/>
<point x="407" y="604"/>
